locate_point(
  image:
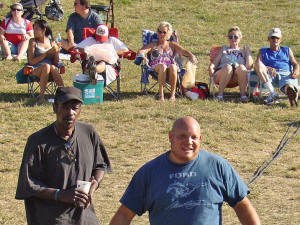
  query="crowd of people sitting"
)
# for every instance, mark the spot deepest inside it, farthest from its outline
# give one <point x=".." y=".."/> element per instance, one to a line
<point x="275" y="65"/>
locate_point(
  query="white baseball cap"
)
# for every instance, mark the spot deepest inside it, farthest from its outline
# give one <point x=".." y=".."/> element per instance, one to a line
<point x="275" y="32"/>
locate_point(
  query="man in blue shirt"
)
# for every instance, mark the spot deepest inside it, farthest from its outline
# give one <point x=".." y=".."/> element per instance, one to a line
<point x="81" y="18"/>
<point x="277" y="65"/>
<point x="185" y="185"/>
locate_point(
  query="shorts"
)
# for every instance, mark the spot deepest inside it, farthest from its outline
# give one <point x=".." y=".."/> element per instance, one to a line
<point x="282" y="78"/>
<point x="13" y="49"/>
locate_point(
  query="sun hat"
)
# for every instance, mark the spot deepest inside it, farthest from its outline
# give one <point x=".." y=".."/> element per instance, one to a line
<point x="102" y="33"/>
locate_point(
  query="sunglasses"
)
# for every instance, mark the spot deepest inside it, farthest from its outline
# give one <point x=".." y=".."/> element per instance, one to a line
<point x="161" y="32"/>
<point x="14" y="9"/>
<point x="275" y="38"/>
<point x="70" y="153"/>
<point x="233" y="36"/>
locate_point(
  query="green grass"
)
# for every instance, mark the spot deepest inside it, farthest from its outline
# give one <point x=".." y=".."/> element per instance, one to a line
<point x="134" y="129"/>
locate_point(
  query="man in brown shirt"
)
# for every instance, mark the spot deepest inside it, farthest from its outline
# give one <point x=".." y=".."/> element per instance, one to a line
<point x="54" y="159"/>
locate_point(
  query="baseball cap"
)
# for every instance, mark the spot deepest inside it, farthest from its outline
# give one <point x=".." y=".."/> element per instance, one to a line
<point x="64" y="94"/>
<point x="102" y="33"/>
<point x="275" y="32"/>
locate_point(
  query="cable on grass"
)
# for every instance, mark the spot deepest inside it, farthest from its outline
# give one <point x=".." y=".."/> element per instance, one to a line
<point x="284" y="141"/>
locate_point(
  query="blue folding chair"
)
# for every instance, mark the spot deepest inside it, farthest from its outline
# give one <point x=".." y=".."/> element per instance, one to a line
<point x="146" y="71"/>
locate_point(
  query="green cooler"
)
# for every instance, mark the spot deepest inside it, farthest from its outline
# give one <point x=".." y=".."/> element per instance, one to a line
<point x="91" y="94"/>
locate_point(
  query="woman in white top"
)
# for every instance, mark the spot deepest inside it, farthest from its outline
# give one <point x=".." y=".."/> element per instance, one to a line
<point x="231" y="64"/>
<point x="15" y="32"/>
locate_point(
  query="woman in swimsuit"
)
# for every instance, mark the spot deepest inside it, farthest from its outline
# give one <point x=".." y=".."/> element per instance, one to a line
<point x="162" y="58"/>
<point x="43" y="56"/>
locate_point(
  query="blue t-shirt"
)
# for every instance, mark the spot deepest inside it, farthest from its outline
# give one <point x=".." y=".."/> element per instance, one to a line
<point x="76" y="23"/>
<point x="192" y="193"/>
<point x="280" y="60"/>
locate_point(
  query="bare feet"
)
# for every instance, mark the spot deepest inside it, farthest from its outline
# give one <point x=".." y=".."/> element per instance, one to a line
<point x="172" y="98"/>
<point x="161" y="98"/>
<point x="17" y="58"/>
<point x="9" y="57"/>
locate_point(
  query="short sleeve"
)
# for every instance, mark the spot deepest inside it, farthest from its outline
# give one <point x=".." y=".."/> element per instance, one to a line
<point x="118" y="45"/>
<point x="235" y="188"/>
<point x="70" y="23"/>
<point x="31" y="172"/>
<point x="134" y="196"/>
<point x="101" y="160"/>
<point x="29" y="26"/>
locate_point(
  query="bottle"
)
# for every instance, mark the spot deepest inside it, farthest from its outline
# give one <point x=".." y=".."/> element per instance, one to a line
<point x="255" y="93"/>
<point x="58" y="38"/>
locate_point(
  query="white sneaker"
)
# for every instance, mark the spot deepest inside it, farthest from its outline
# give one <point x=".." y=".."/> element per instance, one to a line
<point x="272" y="98"/>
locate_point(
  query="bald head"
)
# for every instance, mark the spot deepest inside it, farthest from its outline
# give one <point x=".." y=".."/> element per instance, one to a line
<point x="184" y="122"/>
<point x="185" y="138"/>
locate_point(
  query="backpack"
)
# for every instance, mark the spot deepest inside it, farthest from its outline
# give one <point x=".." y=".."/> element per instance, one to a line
<point x="200" y="91"/>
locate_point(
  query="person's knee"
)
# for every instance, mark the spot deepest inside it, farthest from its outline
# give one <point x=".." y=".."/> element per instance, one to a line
<point x="100" y="68"/>
<point x="46" y="67"/>
<point x="160" y="68"/>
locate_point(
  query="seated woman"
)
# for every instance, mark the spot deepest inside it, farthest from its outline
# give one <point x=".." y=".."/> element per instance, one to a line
<point x="15" y="33"/>
<point x="103" y="51"/>
<point x="43" y="55"/>
<point x="162" y="54"/>
<point x="231" y="64"/>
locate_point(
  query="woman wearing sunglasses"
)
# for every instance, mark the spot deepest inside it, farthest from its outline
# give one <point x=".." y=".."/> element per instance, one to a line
<point x="15" y="32"/>
<point x="231" y="64"/>
<point x="43" y="55"/>
<point x="162" y="58"/>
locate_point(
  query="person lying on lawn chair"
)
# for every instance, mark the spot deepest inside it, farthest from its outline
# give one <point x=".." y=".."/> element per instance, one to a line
<point x="277" y="65"/>
<point x="102" y="51"/>
<point x="162" y="54"/>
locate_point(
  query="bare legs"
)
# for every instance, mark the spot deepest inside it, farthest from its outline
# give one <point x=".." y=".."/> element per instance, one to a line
<point x="23" y="45"/>
<point x="43" y="73"/>
<point x="226" y="74"/>
<point x="162" y="71"/>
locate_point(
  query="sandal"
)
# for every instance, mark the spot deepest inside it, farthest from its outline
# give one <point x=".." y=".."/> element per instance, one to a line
<point x="291" y="93"/>
<point x="244" y="99"/>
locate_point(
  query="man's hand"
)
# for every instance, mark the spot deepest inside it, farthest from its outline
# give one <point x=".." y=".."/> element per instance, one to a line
<point x="294" y="75"/>
<point x="271" y="71"/>
<point x="74" y="196"/>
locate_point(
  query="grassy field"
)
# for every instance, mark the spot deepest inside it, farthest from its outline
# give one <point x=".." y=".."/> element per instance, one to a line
<point x="135" y="129"/>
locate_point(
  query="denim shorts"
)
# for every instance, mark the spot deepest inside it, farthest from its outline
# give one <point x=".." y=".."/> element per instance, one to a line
<point x="13" y="49"/>
<point x="282" y="78"/>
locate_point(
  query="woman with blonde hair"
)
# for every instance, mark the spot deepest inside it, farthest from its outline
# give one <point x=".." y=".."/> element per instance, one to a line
<point x="162" y="58"/>
<point x="231" y="64"/>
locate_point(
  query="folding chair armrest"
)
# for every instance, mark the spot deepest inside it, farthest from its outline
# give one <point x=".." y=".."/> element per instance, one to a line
<point x="61" y="67"/>
<point x="130" y="55"/>
<point x="28" y="70"/>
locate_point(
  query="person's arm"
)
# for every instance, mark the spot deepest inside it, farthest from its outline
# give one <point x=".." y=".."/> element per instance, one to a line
<point x="248" y="57"/>
<point x="123" y="216"/>
<point x="295" y="64"/>
<point x="214" y="64"/>
<point x="69" y="43"/>
<point x="246" y="212"/>
<point x="181" y="51"/>
<point x="34" y="60"/>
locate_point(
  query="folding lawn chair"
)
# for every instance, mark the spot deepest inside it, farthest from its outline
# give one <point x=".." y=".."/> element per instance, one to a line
<point x="33" y="82"/>
<point x="212" y="84"/>
<point x="146" y="87"/>
<point x="130" y="55"/>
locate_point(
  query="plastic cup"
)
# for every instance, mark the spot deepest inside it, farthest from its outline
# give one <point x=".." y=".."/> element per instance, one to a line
<point x="83" y="186"/>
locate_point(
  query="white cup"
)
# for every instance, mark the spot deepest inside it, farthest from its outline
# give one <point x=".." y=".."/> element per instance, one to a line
<point x="83" y="186"/>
